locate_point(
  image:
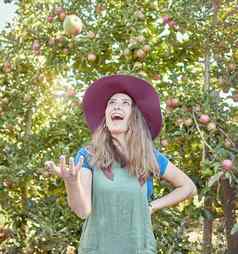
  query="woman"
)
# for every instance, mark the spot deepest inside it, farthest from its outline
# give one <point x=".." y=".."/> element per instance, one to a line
<point x="110" y="186"/>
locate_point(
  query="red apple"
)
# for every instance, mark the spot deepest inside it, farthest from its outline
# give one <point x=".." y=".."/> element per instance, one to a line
<point x="36" y="45"/>
<point x="226" y="89"/>
<point x="99" y="8"/>
<point x="222" y="45"/>
<point x="211" y="126"/>
<point x="146" y="48"/>
<point x="27" y="98"/>
<point x="41" y="77"/>
<point x="156" y="77"/>
<point x="71" y="92"/>
<point x="71" y="45"/>
<point x="58" y="10"/>
<point x="235" y="97"/>
<point x="7" y="67"/>
<point x="5" y="233"/>
<point x="66" y="51"/>
<point x="59" y="39"/>
<point x="140" y="38"/>
<point x="5" y="100"/>
<point x="91" y="35"/>
<point x="232" y="67"/>
<point x="188" y="109"/>
<point x="188" y="122"/>
<point x="51" y="41"/>
<point x="221" y="80"/>
<point x="172" y="102"/>
<point x="227" y="143"/>
<point x="164" y="142"/>
<point x="8" y="183"/>
<point x="227" y="165"/>
<point x="140" y="53"/>
<point x="169" y="103"/>
<point x="197" y="108"/>
<point x="50" y="19"/>
<point x="179" y="122"/>
<point x="72" y="25"/>
<point x="204" y="119"/>
<point x="77" y="103"/>
<point x="172" y="24"/>
<point x="166" y="19"/>
<point x="62" y="16"/>
<point x="91" y="57"/>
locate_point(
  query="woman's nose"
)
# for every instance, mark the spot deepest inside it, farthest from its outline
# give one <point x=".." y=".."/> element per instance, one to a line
<point x="117" y="106"/>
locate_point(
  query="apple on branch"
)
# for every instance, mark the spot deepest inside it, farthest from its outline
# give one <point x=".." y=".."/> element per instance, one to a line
<point x="204" y="119"/>
<point x="227" y="165"/>
<point x="72" y="25"/>
<point x="91" y="57"/>
<point x="7" y="67"/>
<point x="211" y="126"/>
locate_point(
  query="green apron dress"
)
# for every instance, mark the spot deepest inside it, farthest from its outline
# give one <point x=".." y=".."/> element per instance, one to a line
<point x="120" y="221"/>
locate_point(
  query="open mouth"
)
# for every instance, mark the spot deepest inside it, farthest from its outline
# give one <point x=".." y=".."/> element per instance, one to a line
<point x="116" y="117"/>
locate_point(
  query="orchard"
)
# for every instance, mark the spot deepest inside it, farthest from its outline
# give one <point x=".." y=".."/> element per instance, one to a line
<point x="188" y="50"/>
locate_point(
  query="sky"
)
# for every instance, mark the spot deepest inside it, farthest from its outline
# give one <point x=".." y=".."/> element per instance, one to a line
<point x="7" y="12"/>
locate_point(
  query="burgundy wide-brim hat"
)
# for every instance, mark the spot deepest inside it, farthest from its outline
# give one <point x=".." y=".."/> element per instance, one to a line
<point x="143" y="94"/>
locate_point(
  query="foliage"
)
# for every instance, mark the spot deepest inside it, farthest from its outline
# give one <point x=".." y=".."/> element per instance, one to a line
<point x="186" y="49"/>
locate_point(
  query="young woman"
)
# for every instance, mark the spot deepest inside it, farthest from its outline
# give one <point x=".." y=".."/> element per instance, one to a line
<point x="111" y="184"/>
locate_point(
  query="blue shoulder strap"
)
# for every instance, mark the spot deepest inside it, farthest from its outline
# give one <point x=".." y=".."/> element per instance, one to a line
<point x="161" y="159"/>
<point x="149" y="183"/>
<point x="83" y="152"/>
<point x="163" y="163"/>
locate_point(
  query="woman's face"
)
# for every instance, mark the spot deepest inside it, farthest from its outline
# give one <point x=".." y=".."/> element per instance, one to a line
<point x="118" y="112"/>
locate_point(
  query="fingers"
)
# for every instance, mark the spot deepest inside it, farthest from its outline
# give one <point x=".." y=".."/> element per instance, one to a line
<point x="80" y="163"/>
<point x="64" y="170"/>
<point x="72" y="168"/>
<point x="62" y="163"/>
<point x="50" y="165"/>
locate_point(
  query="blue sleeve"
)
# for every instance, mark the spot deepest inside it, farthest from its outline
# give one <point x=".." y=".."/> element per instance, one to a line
<point x="162" y="161"/>
<point x="82" y="152"/>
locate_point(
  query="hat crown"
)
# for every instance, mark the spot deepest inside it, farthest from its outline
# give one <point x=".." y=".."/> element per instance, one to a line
<point x="141" y="92"/>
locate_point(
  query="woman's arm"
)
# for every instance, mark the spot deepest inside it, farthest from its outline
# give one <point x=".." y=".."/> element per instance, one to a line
<point x="78" y="183"/>
<point x="184" y="188"/>
<point x="79" y="193"/>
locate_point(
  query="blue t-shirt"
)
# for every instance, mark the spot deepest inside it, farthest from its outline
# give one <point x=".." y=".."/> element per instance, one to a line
<point x="161" y="159"/>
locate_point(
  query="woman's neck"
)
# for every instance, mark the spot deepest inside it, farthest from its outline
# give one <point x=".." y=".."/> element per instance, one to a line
<point x="120" y="142"/>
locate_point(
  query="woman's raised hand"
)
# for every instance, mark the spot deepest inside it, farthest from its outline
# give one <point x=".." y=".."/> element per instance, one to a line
<point x="68" y="172"/>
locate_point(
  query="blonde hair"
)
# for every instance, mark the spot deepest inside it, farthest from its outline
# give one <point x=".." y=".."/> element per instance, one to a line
<point x="140" y="159"/>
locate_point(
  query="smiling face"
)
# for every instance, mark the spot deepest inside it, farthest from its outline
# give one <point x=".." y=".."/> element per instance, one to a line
<point x="117" y="113"/>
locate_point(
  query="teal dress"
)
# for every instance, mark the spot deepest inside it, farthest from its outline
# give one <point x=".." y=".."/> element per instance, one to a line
<point x="120" y="221"/>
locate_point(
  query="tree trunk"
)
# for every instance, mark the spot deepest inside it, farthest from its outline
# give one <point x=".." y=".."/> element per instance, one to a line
<point x="228" y="200"/>
<point x="207" y="229"/>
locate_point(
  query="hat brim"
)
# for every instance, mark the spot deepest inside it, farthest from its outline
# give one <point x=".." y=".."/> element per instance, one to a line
<point x="147" y="100"/>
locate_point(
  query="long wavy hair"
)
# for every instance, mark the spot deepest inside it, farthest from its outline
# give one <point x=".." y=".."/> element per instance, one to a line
<point x="139" y="159"/>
